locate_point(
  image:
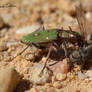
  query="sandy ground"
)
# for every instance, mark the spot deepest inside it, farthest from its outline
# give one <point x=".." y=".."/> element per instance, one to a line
<point x="51" y="14"/>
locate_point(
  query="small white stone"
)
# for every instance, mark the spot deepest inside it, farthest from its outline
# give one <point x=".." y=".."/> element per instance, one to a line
<point x="57" y="84"/>
<point x="35" y="76"/>
<point x="88" y="15"/>
<point x="81" y="75"/>
<point x="60" y="76"/>
<point x="21" y="32"/>
<point x="28" y="29"/>
<point x="89" y="74"/>
<point x="33" y="90"/>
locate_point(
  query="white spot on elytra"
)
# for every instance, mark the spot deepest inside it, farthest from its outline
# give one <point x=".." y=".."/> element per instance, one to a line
<point x="36" y="34"/>
<point x="47" y="38"/>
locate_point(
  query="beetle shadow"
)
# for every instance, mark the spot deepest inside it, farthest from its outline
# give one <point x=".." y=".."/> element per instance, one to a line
<point x="5" y="26"/>
<point x="87" y="65"/>
<point x="23" y="85"/>
<point x="57" y="56"/>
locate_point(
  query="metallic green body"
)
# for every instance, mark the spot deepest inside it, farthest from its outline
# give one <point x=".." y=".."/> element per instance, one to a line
<point x="47" y="35"/>
<point x="66" y="34"/>
<point x="43" y="36"/>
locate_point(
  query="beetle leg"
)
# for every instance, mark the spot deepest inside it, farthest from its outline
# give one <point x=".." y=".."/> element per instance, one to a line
<point x="83" y="64"/>
<point x="37" y="46"/>
<point x="64" y="47"/>
<point x="70" y="29"/>
<point x="83" y="53"/>
<point x="54" y="48"/>
<point x="55" y="44"/>
<point x="21" y="52"/>
<point x="43" y="27"/>
<point x="48" y="55"/>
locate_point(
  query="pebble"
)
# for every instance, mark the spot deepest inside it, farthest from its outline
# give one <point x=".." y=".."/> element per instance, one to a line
<point x="35" y="76"/>
<point x="88" y="15"/>
<point x="60" y="76"/>
<point x="8" y="18"/>
<point x="25" y="63"/>
<point x="57" y="84"/>
<point x="18" y="58"/>
<point x="27" y="30"/>
<point x="87" y="5"/>
<point x="51" y="89"/>
<point x="3" y="46"/>
<point x="89" y="74"/>
<point x="9" y="78"/>
<point x="81" y="75"/>
<point x="60" y="67"/>
<point x="33" y="90"/>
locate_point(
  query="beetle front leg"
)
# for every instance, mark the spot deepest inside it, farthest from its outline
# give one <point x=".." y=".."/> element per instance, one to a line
<point x="64" y="47"/>
<point x="48" y="55"/>
<point x="21" y="51"/>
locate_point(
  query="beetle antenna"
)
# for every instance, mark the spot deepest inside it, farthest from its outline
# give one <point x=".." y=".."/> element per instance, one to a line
<point x="70" y="28"/>
<point x="21" y="52"/>
<point x="43" y="27"/>
<point x="62" y="28"/>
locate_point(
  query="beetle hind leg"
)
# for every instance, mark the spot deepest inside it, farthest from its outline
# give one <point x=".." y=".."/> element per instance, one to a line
<point x="48" y="55"/>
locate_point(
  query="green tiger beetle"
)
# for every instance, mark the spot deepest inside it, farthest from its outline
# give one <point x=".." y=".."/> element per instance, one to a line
<point x="52" y="39"/>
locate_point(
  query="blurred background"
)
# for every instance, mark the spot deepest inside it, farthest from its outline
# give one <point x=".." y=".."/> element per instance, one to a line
<point x="50" y="13"/>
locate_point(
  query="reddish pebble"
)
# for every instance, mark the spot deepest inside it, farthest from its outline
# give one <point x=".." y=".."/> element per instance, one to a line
<point x="60" y="67"/>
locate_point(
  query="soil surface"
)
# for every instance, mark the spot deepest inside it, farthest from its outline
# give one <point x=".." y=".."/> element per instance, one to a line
<point x="21" y="17"/>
